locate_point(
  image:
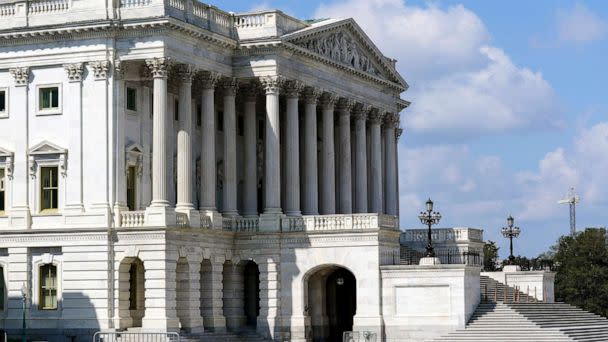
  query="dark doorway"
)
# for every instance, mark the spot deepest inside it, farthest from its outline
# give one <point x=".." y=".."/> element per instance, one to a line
<point x="252" y="293"/>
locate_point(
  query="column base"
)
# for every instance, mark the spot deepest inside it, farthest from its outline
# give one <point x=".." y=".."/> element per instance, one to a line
<point x="214" y="217"/>
<point x="20" y="218"/>
<point x="429" y="261"/>
<point x="271" y="221"/>
<point x="160" y="216"/>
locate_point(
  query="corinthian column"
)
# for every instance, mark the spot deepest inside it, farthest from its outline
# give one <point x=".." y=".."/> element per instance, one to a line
<point x="375" y="119"/>
<point x="345" y="205"/>
<point x="328" y="160"/>
<point x="208" y="174"/>
<point x="73" y="107"/>
<point x="158" y="68"/>
<point x="292" y="149"/>
<point x="229" y="87"/>
<point x="310" y="186"/>
<point x="272" y="155"/>
<point x="360" y="115"/>
<point x="390" y="192"/>
<point x="250" y="188"/>
<point x="184" y="142"/>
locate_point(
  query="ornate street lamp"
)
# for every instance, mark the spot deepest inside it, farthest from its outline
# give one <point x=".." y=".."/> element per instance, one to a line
<point x="429" y="218"/>
<point x="510" y="232"/>
<point x="24" y="299"/>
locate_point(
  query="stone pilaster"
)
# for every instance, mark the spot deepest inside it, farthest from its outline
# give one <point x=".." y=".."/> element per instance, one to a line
<point x="120" y="181"/>
<point x="345" y="190"/>
<point x="375" y="118"/>
<point x="212" y="295"/>
<point x="360" y="116"/>
<point x="20" y="215"/>
<point x="233" y="299"/>
<point x="310" y="184"/>
<point x="391" y="121"/>
<point x="184" y="143"/>
<point x="292" y="149"/>
<point x="73" y="110"/>
<point x="160" y="294"/>
<point x="229" y="88"/>
<point x="250" y="188"/>
<point x="328" y="157"/>
<point x="270" y="300"/>
<point x="194" y="321"/>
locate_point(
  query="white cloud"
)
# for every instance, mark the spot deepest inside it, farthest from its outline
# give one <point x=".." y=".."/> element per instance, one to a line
<point x="579" y="25"/>
<point x="461" y="86"/>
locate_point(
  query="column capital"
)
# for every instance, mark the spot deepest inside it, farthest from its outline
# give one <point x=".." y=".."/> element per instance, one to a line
<point x="361" y="111"/>
<point x="209" y="79"/>
<point x="230" y="86"/>
<point x="271" y="84"/>
<point x="159" y="67"/>
<point x="328" y="100"/>
<point x="312" y="95"/>
<point x="293" y="88"/>
<point x="398" y="133"/>
<point x="21" y="75"/>
<point x="185" y="72"/>
<point x="345" y="105"/>
<point x="74" y="71"/>
<point x="250" y="92"/>
<point x="100" y="69"/>
<point x="376" y="116"/>
<point x="119" y="69"/>
<point x="391" y="120"/>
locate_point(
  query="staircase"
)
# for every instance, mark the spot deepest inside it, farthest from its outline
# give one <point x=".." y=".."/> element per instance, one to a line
<point x="248" y="334"/>
<point x="493" y="291"/>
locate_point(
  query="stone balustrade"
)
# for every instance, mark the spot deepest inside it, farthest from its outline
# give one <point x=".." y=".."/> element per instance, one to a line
<point x="443" y="234"/>
<point x="132" y="218"/>
<point x="181" y="220"/>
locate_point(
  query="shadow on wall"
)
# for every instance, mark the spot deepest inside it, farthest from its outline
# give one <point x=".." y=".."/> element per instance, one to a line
<point x="75" y="320"/>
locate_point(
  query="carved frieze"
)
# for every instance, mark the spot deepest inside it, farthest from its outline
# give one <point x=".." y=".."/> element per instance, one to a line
<point x="340" y="47"/>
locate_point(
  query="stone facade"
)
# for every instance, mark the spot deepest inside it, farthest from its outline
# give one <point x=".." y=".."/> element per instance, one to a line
<point x="170" y="166"/>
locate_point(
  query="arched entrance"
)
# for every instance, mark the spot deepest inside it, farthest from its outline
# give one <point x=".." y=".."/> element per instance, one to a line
<point x="132" y="292"/>
<point x="331" y="299"/>
<point x="182" y="295"/>
<point x="252" y="293"/>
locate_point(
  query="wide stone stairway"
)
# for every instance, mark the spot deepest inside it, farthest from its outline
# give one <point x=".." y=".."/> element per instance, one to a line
<point x="249" y="335"/>
<point x="506" y="314"/>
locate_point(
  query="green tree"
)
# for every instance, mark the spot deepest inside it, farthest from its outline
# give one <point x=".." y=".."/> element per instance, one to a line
<point x="490" y="256"/>
<point x="582" y="271"/>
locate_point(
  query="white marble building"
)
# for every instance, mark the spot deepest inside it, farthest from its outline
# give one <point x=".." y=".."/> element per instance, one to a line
<point x="168" y="166"/>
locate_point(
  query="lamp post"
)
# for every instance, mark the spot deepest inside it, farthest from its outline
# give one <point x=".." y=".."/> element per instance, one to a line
<point x="510" y="232"/>
<point x="24" y="300"/>
<point x="429" y="218"/>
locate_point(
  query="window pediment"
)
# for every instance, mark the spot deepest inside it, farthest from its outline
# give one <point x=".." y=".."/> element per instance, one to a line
<point x="6" y="161"/>
<point x="47" y="152"/>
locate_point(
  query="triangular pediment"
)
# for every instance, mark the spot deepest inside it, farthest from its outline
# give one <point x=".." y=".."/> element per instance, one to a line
<point x="135" y="148"/>
<point x="46" y="147"/>
<point x="345" y="43"/>
<point x="5" y="153"/>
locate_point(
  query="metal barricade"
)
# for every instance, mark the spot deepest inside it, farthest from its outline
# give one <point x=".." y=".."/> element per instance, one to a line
<point x="122" y="336"/>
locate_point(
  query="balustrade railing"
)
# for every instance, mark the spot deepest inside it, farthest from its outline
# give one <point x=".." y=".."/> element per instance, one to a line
<point x="181" y="220"/>
<point x="444" y="234"/>
<point x="205" y="221"/>
<point x="48" y="6"/>
<point x="7" y="10"/>
<point x="349" y="222"/>
<point x="250" y="20"/>
<point x="132" y="218"/>
<point x="241" y="224"/>
<point x="134" y="3"/>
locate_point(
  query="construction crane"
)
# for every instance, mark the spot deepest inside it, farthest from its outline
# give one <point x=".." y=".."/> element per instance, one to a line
<point x="572" y="199"/>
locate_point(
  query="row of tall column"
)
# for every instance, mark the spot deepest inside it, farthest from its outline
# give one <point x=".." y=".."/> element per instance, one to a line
<point x="321" y="193"/>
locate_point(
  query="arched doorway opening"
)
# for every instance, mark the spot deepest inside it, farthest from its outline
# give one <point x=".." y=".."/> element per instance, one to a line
<point x="252" y="293"/>
<point x="131" y="305"/>
<point x="331" y="302"/>
<point x="182" y="295"/>
<point x="206" y="298"/>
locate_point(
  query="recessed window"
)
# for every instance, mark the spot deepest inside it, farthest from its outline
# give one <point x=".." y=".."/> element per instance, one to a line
<point x="48" y="287"/>
<point x="131" y="99"/>
<point x="2" y="191"/>
<point x="48" y="98"/>
<point x="49" y="189"/>
<point x="176" y="110"/>
<point x="3" y="102"/>
<point x="199" y="115"/>
<point x="131" y="199"/>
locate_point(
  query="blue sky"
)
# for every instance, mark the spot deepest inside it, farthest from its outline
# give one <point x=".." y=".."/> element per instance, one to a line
<point x="509" y="104"/>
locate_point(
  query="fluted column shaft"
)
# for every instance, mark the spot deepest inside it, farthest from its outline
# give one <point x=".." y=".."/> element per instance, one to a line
<point x="376" y="162"/>
<point x="310" y="185"/>
<point x="328" y="162"/>
<point x="360" y="116"/>
<point x="292" y="150"/>
<point x="158" y="67"/>
<point x="345" y="205"/>
<point x="230" y="186"/>
<point x="208" y="168"/>
<point x="250" y="188"/>
<point x="184" y="143"/>
<point x="390" y="191"/>
<point x="272" y="156"/>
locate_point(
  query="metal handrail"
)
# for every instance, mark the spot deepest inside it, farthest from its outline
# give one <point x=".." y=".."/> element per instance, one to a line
<point x="123" y="336"/>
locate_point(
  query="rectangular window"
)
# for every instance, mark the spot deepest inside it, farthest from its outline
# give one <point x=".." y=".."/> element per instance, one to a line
<point x="2" y="289"/>
<point x="199" y="115"/>
<point x="48" y="287"/>
<point x="131" y="99"/>
<point x="48" y="98"/>
<point x="2" y="191"/>
<point x="131" y="188"/>
<point x="49" y="188"/>
<point x="3" y="102"/>
<point x="176" y="110"/>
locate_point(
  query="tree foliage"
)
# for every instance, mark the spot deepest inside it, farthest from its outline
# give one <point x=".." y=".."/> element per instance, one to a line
<point x="582" y="271"/>
<point x="490" y="256"/>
